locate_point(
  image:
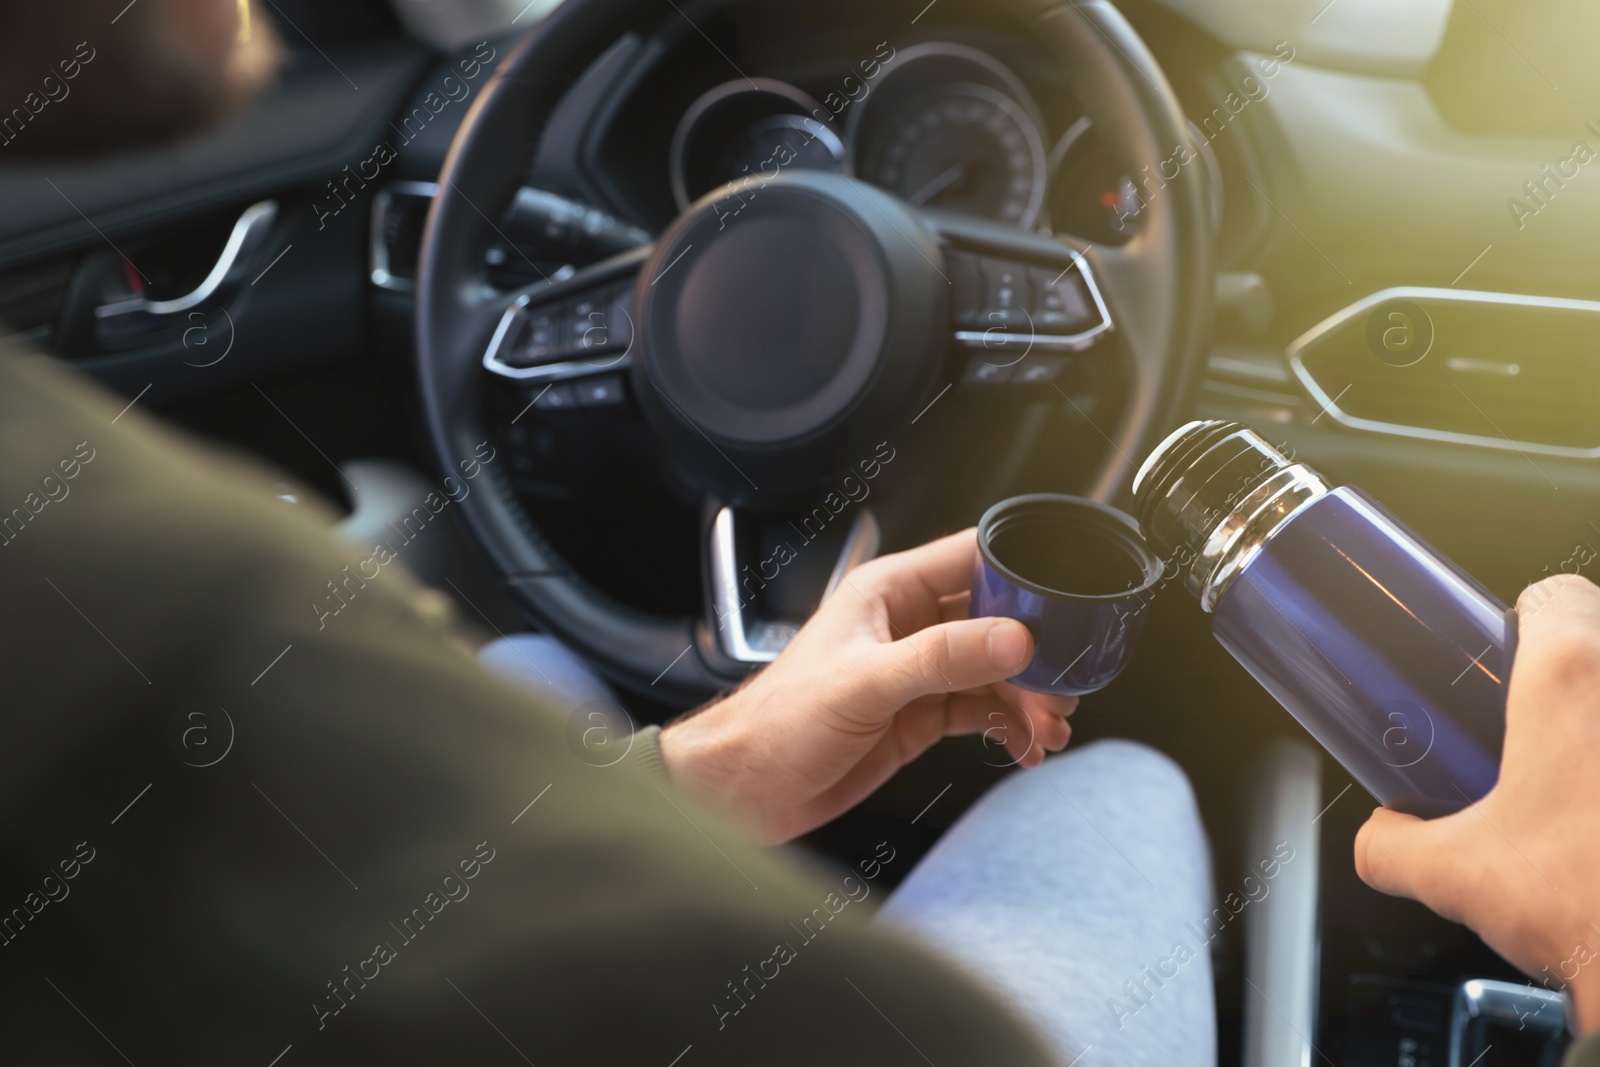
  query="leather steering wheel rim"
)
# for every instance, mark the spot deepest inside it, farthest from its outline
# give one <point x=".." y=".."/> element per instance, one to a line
<point x="1159" y="288"/>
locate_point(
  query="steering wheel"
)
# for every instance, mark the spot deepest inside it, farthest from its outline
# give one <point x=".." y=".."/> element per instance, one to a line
<point x="780" y="323"/>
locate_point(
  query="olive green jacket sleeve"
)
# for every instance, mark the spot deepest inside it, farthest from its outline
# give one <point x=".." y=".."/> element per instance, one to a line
<point x="1584" y="1053"/>
<point x="644" y="755"/>
<point x="240" y="825"/>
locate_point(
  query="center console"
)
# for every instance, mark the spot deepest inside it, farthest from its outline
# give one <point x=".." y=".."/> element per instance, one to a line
<point x="1340" y="975"/>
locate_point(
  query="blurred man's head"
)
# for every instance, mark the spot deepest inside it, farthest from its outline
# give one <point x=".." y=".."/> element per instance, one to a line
<point x="84" y="77"/>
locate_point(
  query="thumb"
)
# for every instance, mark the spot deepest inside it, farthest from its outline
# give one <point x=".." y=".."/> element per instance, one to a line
<point x="1405" y="856"/>
<point x="953" y="656"/>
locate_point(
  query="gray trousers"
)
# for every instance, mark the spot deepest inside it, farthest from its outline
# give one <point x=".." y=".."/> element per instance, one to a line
<point x="1077" y="891"/>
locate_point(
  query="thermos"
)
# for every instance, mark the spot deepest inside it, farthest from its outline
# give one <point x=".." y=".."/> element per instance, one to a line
<point x="1390" y="655"/>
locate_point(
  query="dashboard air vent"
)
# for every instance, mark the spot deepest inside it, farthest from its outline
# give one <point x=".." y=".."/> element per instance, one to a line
<point x="1491" y="370"/>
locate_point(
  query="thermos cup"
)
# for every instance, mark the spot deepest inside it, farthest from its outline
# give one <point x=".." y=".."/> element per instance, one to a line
<point x="1077" y="573"/>
<point x="1392" y="657"/>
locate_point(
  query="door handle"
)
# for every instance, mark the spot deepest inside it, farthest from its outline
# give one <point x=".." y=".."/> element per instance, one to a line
<point x="139" y="313"/>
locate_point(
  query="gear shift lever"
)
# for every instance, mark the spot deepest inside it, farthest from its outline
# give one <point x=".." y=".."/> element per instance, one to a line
<point x="1521" y="1021"/>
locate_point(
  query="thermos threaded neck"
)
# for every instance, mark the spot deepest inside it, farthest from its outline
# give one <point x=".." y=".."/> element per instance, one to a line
<point x="1211" y="494"/>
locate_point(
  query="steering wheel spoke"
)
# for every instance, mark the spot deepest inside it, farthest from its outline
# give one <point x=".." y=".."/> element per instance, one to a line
<point x="570" y="333"/>
<point x="1022" y="305"/>
<point x="741" y="565"/>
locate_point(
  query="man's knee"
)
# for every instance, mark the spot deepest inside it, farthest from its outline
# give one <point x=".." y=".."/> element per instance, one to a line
<point x="1121" y="766"/>
<point x="1133" y="758"/>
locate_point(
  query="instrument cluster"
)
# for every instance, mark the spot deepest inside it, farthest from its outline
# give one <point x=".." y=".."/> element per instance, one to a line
<point x="942" y="125"/>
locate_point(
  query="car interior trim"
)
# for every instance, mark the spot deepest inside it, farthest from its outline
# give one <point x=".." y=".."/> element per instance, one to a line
<point x="861" y="543"/>
<point x="1484" y="1001"/>
<point x="1281" y="927"/>
<point x="761" y="641"/>
<point x="732" y="632"/>
<point x="552" y="372"/>
<point x="247" y="235"/>
<point x="1298" y="348"/>
<point x="697" y="118"/>
<point x="996" y="336"/>
<point x="382" y="204"/>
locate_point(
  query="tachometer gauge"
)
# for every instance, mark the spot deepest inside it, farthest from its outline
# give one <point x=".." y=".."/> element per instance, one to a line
<point x="961" y="147"/>
<point x="1092" y="196"/>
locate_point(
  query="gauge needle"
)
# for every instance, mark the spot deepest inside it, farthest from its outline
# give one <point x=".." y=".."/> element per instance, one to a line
<point x="938" y="185"/>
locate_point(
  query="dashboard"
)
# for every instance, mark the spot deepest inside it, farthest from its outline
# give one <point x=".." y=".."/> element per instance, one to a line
<point x="1328" y="186"/>
<point x="941" y="123"/>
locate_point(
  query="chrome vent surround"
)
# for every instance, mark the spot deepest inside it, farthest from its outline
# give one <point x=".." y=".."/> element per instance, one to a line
<point x="1496" y="370"/>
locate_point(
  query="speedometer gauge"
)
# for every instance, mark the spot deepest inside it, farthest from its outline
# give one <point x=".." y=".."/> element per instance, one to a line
<point x="961" y="147"/>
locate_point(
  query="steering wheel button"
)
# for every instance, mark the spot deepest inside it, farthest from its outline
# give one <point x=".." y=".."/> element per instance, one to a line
<point x="556" y="397"/>
<point x="987" y="371"/>
<point x="575" y="323"/>
<point x="969" y="293"/>
<point x="1039" y="370"/>
<point x="619" y="319"/>
<point x="1008" y="296"/>
<point x="596" y="335"/>
<point x="1060" y="302"/>
<point x="597" y="392"/>
<point x="539" y="340"/>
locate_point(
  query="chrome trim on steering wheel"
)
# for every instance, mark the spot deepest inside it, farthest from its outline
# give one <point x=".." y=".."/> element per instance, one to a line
<point x="558" y="372"/>
<point x="546" y="372"/>
<point x="614" y="275"/>
<point x="760" y="640"/>
<point x="737" y="641"/>
<point x="1048" y="342"/>
<point x="994" y="336"/>
<point x="860" y="544"/>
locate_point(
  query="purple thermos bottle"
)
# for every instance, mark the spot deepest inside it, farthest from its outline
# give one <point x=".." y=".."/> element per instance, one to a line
<point x="1390" y="655"/>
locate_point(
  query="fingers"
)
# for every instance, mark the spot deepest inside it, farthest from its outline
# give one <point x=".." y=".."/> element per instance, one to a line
<point x="1405" y="856"/>
<point x="1382" y="860"/>
<point x="955" y="608"/>
<point x="949" y="658"/>
<point x="1026" y="734"/>
<point x="1555" y="679"/>
<point x="1557" y="605"/>
<point x="940" y="568"/>
<point x="1050" y="733"/>
<point x="1042" y="703"/>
